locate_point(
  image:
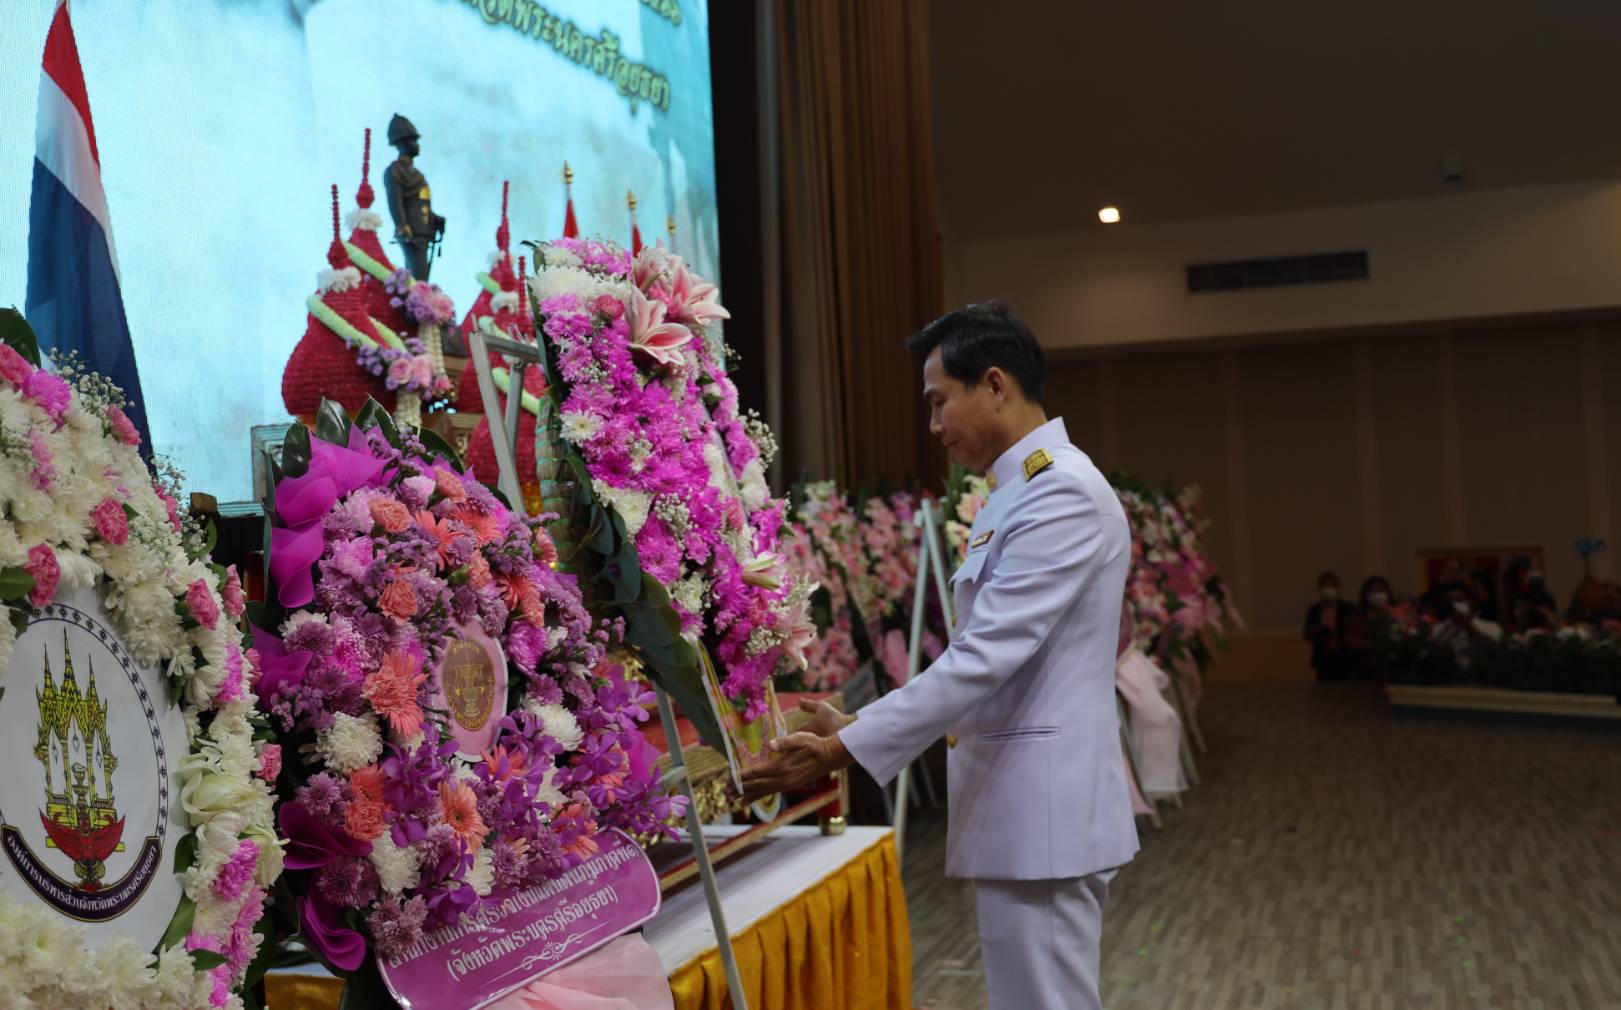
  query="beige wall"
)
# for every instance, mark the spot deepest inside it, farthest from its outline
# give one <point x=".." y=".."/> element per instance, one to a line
<point x="1354" y="453"/>
<point x="1485" y="254"/>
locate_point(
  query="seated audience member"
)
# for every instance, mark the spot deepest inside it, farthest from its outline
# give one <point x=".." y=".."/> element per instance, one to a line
<point x="1461" y="635"/>
<point x="1325" y="629"/>
<point x="1536" y="607"/>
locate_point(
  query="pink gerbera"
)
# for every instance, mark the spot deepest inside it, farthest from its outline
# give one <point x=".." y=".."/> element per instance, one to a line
<point x="442" y="531"/>
<point x="459" y="808"/>
<point x="392" y="691"/>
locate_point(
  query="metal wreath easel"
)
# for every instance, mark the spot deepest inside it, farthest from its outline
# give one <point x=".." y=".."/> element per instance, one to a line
<point x="520" y="357"/>
<point x="930" y="561"/>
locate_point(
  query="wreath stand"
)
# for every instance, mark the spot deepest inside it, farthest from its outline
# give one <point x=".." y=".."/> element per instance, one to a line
<point x="522" y="356"/>
<point x="930" y="562"/>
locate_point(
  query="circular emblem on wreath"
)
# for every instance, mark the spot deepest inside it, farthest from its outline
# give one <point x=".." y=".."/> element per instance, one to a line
<point x="90" y="746"/>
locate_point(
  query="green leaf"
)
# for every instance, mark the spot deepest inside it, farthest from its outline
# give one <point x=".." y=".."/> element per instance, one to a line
<point x="19" y="620"/>
<point x="211" y="539"/>
<point x="203" y="960"/>
<point x="16" y="332"/>
<point x="332" y="423"/>
<point x="364" y="990"/>
<point x="15" y="583"/>
<point x="375" y="415"/>
<point x="185" y="853"/>
<point x="437" y="446"/>
<point x="295" y="451"/>
<point x="179" y="926"/>
<point x="268" y="951"/>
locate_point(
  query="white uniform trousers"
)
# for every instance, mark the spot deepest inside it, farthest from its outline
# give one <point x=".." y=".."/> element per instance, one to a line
<point x="1039" y="941"/>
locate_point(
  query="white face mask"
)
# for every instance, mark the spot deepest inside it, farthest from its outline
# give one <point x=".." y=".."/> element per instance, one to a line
<point x="1378" y="599"/>
<point x="1460" y="607"/>
<point x="1330" y="592"/>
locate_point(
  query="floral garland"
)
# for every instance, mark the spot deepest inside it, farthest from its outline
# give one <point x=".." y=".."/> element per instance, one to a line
<point x="382" y="549"/>
<point x="79" y="508"/>
<point x="644" y="396"/>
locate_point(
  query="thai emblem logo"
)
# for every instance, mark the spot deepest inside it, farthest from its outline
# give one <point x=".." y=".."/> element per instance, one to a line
<point x="471" y="684"/>
<point x="80" y="817"/>
<point x="88" y="744"/>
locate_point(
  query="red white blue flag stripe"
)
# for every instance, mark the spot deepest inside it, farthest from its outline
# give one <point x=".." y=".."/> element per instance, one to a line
<point x="74" y="299"/>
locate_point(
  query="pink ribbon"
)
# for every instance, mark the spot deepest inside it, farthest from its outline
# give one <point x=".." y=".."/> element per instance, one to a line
<point x="625" y="974"/>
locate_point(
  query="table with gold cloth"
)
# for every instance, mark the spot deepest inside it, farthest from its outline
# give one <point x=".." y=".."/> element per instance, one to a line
<point x="817" y="922"/>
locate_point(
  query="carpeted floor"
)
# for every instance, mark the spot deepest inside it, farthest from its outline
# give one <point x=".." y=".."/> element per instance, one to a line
<point x="1338" y="856"/>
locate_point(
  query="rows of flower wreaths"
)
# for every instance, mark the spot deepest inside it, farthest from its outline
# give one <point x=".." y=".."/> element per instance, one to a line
<point x="861" y="550"/>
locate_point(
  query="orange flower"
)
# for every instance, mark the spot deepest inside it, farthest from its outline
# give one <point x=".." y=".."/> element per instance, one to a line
<point x="392" y="690"/>
<point x="478" y="572"/>
<point x="459" y="809"/>
<point x="399" y="600"/>
<point x="504" y="766"/>
<point x="363" y="819"/>
<point x="486" y="527"/>
<point x="367" y="783"/>
<point x="390" y="515"/>
<point x="449" y="485"/>
<point x="545" y="549"/>
<point x="514" y="589"/>
<point x="442" y="531"/>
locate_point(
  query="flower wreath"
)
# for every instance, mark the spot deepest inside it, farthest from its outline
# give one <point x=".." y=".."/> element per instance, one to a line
<point x="383" y="553"/>
<point x="79" y="508"/>
<point x="643" y="396"/>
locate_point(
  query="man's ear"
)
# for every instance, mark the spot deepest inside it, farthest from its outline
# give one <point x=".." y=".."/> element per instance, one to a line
<point x="997" y="381"/>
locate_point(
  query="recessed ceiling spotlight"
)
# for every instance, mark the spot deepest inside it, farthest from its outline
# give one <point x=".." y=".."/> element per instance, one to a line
<point x="1109" y="215"/>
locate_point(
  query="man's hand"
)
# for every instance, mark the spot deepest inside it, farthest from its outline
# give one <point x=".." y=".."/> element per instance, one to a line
<point x="825" y="719"/>
<point x="801" y="758"/>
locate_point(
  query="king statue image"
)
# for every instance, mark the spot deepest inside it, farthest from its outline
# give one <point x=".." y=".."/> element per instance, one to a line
<point x="416" y="227"/>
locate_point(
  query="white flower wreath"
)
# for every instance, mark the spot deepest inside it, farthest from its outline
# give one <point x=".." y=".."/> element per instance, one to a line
<point x="79" y="509"/>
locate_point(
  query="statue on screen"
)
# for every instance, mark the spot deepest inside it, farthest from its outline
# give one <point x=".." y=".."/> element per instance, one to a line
<point x="417" y="228"/>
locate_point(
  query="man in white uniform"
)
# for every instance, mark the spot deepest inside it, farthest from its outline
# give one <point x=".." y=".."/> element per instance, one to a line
<point x="1040" y="816"/>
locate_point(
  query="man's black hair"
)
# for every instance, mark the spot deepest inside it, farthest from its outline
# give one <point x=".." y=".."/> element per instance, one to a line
<point x="977" y="337"/>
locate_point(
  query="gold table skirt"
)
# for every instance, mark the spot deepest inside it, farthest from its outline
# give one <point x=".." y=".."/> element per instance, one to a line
<point x="844" y="943"/>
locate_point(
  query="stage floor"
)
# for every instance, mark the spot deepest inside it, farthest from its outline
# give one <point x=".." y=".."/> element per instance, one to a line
<point x="1338" y="856"/>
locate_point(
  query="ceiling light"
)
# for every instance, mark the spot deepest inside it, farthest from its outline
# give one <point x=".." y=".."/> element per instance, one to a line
<point x="1109" y="215"/>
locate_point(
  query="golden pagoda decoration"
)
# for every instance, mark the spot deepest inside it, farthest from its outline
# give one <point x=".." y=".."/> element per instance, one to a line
<point x="79" y="816"/>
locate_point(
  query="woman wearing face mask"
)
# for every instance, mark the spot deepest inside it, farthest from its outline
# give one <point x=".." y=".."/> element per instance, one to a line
<point x="1326" y="622"/>
<point x="1367" y="625"/>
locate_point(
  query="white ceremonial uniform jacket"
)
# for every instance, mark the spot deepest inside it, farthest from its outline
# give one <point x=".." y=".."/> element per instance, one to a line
<point x="1026" y="688"/>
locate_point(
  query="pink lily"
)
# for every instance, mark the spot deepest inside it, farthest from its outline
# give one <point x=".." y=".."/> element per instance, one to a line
<point x="696" y="301"/>
<point x="766" y="571"/>
<point x="801" y="629"/>
<point x="649" y="333"/>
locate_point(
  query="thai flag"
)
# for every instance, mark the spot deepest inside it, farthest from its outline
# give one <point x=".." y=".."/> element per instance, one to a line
<point x="74" y="302"/>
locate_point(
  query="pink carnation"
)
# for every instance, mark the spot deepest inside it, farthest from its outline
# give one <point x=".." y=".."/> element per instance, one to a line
<point x="609" y="307"/>
<point x="399" y="600"/>
<point x="237" y="873"/>
<point x="235" y="600"/>
<point x="14" y="368"/>
<point x="44" y="471"/>
<point x="42" y="566"/>
<point x="202" y="604"/>
<point x="169" y="505"/>
<point x="390" y="515"/>
<point x="50" y="392"/>
<point x="449" y="485"/>
<point x="123" y="427"/>
<point x="111" y="523"/>
<point x="270" y="762"/>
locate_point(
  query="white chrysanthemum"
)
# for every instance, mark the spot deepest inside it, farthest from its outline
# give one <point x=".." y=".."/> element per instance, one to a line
<point x="333" y="281"/>
<point x="78" y="571"/>
<point x="631" y="504"/>
<point x="504" y="301"/>
<point x="300" y="618"/>
<point x="362" y="219"/>
<point x="580" y="426"/>
<point x="752" y="488"/>
<point x="557" y="256"/>
<point x="548" y="793"/>
<point x="559" y="724"/>
<point x="397" y="868"/>
<point x="691" y="592"/>
<point x="482" y="875"/>
<point x="352" y="742"/>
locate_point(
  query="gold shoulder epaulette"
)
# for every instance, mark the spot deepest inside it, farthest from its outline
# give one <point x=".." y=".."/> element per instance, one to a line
<point x="1036" y="462"/>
